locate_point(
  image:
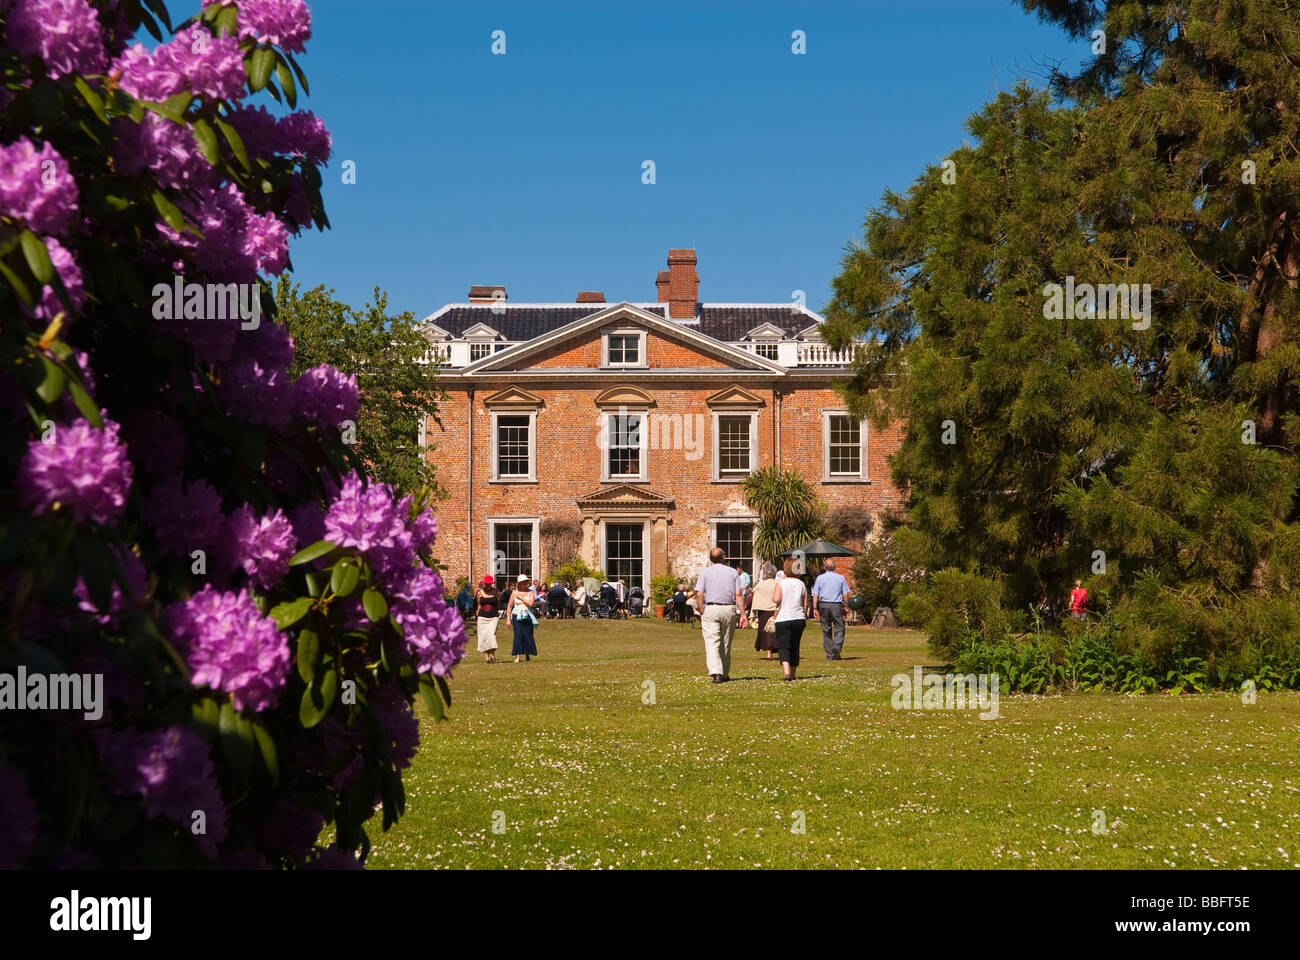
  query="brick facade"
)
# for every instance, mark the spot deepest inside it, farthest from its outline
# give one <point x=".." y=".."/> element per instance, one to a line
<point x="670" y="512"/>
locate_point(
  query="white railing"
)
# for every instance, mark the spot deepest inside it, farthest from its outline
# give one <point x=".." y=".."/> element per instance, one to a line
<point x="435" y="353"/>
<point x="820" y="355"/>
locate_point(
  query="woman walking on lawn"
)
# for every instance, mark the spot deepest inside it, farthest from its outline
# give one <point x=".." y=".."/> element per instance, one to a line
<point x="763" y="606"/>
<point x="523" y="620"/>
<point x="489" y="606"/>
<point x="791" y="597"/>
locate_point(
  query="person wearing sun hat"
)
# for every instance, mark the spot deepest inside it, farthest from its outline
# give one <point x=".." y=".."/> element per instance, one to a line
<point x="489" y="605"/>
<point x="522" y="618"/>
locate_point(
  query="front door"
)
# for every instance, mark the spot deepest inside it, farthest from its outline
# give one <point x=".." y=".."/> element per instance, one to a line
<point x="625" y="553"/>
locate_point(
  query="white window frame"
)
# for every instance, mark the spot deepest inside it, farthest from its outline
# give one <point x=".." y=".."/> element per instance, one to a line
<point x="643" y="435"/>
<point x="645" y="549"/>
<point x="753" y="538"/>
<point x="492" y="522"/>
<point x="532" y="447"/>
<point x="734" y="476"/>
<point x="862" y="476"/>
<point x="625" y="332"/>
<point x="773" y="343"/>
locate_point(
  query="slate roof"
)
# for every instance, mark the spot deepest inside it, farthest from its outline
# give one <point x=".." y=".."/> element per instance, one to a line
<point x="728" y="322"/>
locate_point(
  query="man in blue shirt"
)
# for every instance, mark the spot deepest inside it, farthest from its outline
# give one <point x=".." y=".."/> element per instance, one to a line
<point x="829" y="591"/>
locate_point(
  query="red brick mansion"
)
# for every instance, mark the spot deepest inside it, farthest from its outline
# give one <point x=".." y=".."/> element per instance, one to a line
<point x="621" y="432"/>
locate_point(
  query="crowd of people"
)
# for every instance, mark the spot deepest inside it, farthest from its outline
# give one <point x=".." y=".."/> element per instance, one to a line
<point x="723" y="599"/>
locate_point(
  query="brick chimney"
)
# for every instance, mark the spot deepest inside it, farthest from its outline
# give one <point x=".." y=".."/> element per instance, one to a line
<point x="661" y="284"/>
<point x="591" y="296"/>
<point x="683" y="285"/>
<point x="485" y="294"/>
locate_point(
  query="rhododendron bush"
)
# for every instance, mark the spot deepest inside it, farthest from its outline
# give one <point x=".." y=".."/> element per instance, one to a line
<point x="179" y="516"/>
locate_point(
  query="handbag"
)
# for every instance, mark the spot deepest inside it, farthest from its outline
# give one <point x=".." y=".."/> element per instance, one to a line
<point x="770" y="625"/>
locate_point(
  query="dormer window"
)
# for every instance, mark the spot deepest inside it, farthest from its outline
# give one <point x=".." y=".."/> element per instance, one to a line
<point x="767" y="349"/>
<point x="477" y="351"/>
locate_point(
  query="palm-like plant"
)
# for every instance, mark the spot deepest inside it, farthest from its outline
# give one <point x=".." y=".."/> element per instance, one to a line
<point x="789" y="512"/>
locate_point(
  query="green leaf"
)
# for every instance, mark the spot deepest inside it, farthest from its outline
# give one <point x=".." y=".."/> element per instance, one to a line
<point x="302" y="78"/>
<point x="176" y="105"/>
<point x="431" y="699"/>
<point x="291" y="611"/>
<point x="233" y="138"/>
<point x="168" y="211"/>
<point x="283" y="75"/>
<point x="308" y="655"/>
<point x="20" y="287"/>
<point x="267" y="747"/>
<point x="236" y="738"/>
<point x="313" y="584"/>
<point x="87" y="406"/>
<point x="317" y="549"/>
<point x="345" y="577"/>
<point x="226" y="21"/>
<point x="88" y="94"/>
<point x="446" y="690"/>
<point x="375" y="605"/>
<point x="38" y="257"/>
<point x="207" y="718"/>
<point x="260" y="64"/>
<point x="207" y="140"/>
<point x="316" y="701"/>
<point x="52" y="384"/>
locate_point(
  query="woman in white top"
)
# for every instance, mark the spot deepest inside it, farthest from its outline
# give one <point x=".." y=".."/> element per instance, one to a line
<point x="791" y="598"/>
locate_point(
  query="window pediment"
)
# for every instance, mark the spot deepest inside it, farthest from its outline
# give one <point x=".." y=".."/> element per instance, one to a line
<point x="513" y="397"/>
<point x="734" y="397"/>
<point x="624" y="396"/>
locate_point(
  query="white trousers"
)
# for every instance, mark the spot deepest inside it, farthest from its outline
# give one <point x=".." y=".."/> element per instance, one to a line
<point x="718" y="624"/>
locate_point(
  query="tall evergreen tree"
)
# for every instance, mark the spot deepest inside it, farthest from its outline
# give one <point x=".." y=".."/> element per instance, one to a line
<point x="1054" y="440"/>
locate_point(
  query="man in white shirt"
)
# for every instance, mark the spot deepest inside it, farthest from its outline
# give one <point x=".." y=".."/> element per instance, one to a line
<point x="829" y="591"/>
<point x="719" y="602"/>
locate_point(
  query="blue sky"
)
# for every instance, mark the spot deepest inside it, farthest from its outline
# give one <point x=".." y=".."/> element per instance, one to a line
<point x="525" y="169"/>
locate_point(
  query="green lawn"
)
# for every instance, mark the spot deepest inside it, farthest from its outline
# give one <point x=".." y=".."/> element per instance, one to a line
<point x="581" y="773"/>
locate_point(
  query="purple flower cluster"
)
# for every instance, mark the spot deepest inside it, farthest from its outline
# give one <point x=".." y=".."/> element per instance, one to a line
<point x="237" y="241"/>
<point x="256" y="393"/>
<point x="193" y="60"/>
<point x="230" y="646"/>
<point x="398" y="722"/>
<point x="65" y="34"/>
<point x="186" y="517"/>
<point x="433" y="631"/>
<point x="18" y="814"/>
<point x="264" y="544"/>
<point x="36" y="187"/>
<point x="286" y="23"/>
<point x="172" y="770"/>
<point x="84" y="471"/>
<point x="300" y="134"/>
<point x="50" y="305"/>
<point x="327" y="397"/>
<point x="367" y="517"/>
<point x="163" y="146"/>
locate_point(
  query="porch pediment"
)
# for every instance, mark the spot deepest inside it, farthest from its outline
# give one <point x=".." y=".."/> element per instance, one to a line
<point x="624" y="496"/>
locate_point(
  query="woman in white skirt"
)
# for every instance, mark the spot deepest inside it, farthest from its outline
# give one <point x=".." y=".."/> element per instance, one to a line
<point x="489" y="607"/>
